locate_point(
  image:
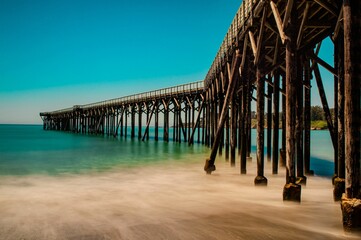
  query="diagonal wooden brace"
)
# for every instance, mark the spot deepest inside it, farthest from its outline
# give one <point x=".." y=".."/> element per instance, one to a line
<point x="209" y="166"/>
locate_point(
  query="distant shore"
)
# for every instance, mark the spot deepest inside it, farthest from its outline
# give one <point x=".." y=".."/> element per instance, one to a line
<point x="315" y="125"/>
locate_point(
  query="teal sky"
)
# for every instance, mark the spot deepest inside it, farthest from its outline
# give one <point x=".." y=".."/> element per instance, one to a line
<point x="55" y="54"/>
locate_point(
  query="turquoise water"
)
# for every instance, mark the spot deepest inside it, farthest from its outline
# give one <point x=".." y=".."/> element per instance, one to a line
<point x="28" y="149"/>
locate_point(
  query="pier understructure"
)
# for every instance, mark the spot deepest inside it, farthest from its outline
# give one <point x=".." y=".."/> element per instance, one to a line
<point x="269" y="57"/>
<point x="116" y="117"/>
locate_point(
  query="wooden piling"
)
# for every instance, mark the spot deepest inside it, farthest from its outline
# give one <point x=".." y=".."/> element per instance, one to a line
<point x="156" y="122"/>
<point x="301" y="178"/>
<point x="351" y="201"/>
<point x="260" y="178"/>
<point x="269" y="122"/>
<point x="126" y="121"/>
<point x="132" y="131"/>
<point x="291" y="191"/>
<point x="140" y="111"/>
<point x="339" y="181"/>
<point x="166" y="121"/>
<point x="245" y="116"/>
<point x="233" y="132"/>
<point x="307" y="117"/>
<point x="276" y="96"/>
<point x="352" y="18"/>
<point x="283" y="142"/>
<point x="227" y="137"/>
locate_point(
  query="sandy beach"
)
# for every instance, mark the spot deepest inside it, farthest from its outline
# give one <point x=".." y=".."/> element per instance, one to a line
<point x="175" y="201"/>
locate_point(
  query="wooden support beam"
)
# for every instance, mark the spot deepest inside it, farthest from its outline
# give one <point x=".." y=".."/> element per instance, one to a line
<point x="99" y="122"/>
<point x="209" y="165"/>
<point x="139" y="107"/>
<point x="324" y="64"/>
<point x="207" y="120"/>
<point x="323" y="97"/>
<point x="191" y="119"/>
<point x="260" y="179"/>
<point x="204" y="121"/>
<point x="339" y="176"/>
<point x="329" y="7"/>
<point x="339" y="62"/>
<point x="245" y="121"/>
<point x="302" y="26"/>
<point x="166" y="120"/>
<point x="199" y="125"/>
<point x="276" y="97"/>
<point x="301" y="178"/>
<point x="196" y="124"/>
<point x="268" y="58"/>
<point x="253" y="43"/>
<point x="223" y="82"/>
<point x="219" y="109"/>
<point x="307" y="118"/>
<point x="338" y="26"/>
<point x="156" y="122"/>
<point x="126" y="122"/>
<point x="260" y="36"/>
<point x="185" y="120"/>
<point x="175" y="125"/>
<point x="287" y="15"/>
<point x="275" y="56"/>
<point x="278" y="21"/>
<point x="189" y="102"/>
<point x="351" y="200"/>
<point x="291" y="191"/>
<point x="269" y="122"/>
<point x="180" y="123"/>
<point x="121" y="119"/>
<point x="149" y="120"/>
<point x="233" y="132"/>
<point x="352" y="26"/>
<point x="182" y="127"/>
<point x="227" y="137"/>
<point x="239" y="99"/>
<point x="132" y="130"/>
<point x="244" y="55"/>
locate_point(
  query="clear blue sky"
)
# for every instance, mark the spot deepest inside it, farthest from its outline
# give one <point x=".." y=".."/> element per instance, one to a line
<point x="55" y="54"/>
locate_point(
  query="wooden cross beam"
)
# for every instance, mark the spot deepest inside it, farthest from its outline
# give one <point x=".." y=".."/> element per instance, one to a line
<point x="150" y="118"/>
<point x="278" y="20"/>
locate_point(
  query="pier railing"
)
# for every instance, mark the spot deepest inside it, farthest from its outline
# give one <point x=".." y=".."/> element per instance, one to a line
<point x="243" y="14"/>
<point x="145" y="96"/>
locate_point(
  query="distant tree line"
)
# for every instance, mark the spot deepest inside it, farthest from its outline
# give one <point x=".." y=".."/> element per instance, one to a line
<point x="318" y="114"/>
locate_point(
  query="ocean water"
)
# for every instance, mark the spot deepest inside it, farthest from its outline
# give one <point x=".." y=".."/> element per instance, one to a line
<point x="27" y="149"/>
<point x="56" y="185"/>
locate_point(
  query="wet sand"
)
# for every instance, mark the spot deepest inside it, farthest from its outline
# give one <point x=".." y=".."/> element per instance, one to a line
<point x="169" y="201"/>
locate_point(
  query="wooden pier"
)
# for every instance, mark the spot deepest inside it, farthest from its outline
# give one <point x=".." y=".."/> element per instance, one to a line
<point x="111" y="117"/>
<point x="272" y="48"/>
